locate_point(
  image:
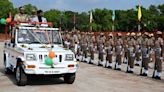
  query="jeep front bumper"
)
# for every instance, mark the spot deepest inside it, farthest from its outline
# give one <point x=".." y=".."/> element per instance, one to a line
<point x="43" y="69"/>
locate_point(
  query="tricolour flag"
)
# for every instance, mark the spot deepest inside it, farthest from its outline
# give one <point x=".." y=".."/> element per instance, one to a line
<point x="139" y="13"/>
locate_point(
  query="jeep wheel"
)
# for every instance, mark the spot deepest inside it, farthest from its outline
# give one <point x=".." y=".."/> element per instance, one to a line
<point x="21" y="77"/>
<point x="69" y="78"/>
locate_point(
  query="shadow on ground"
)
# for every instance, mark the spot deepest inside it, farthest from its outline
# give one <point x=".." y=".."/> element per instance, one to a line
<point x="126" y="74"/>
<point x="38" y="80"/>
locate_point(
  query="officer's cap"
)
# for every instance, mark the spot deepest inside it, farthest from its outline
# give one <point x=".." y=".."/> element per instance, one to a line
<point x="119" y="34"/>
<point x="101" y="33"/>
<point x="159" y="32"/>
<point x="139" y="34"/>
<point x="132" y="34"/>
<point x="128" y="34"/>
<point x="146" y="33"/>
<point x="111" y="34"/>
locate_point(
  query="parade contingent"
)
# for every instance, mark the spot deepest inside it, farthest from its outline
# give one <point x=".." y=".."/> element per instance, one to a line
<point x="132" y="49"/>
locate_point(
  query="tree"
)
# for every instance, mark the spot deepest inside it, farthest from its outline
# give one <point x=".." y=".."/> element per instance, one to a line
<point x="53" y="16"/>
<point x="161" y="8"/>
<point x="5" y="7"/>
<point x="28" y="8"/>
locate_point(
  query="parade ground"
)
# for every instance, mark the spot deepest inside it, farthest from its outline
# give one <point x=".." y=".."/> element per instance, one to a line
<point x="90" y="78"/>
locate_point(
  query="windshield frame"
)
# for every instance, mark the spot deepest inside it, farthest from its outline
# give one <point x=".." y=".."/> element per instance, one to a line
<point x="53" y="30"/>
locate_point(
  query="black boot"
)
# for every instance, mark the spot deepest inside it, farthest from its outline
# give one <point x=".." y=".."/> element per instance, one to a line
<point x="137" y="65"/>
<point x="144" y="74"/>
<point x="109" y="67"/>
<point x="158" y="78"/>
<point x="119" y="69"/>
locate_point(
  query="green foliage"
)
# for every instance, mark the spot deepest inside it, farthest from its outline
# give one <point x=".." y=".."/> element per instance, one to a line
<point x="5" y="7"/>
<point x="161" y="8"/>
<point x="53" y="16"/>
<point x="126" y="20"/>
<point x="28" y="8"/>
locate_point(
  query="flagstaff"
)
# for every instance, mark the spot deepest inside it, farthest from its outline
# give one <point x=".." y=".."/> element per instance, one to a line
<point x="91" y="19"/>
<point x="139" y="17"/>
<point x="113" y="19"/>
<point x="74" y="22"/>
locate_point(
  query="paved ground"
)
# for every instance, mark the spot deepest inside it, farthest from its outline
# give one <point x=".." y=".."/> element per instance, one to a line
<point x="90" y="78"/>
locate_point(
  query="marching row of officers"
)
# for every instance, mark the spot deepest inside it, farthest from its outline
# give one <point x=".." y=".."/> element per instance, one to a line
<point x="133" y="49"/>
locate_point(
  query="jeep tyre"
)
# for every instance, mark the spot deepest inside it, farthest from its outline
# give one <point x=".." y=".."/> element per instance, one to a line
<point x="21" y="77"/>
<point x="69" y="78"/>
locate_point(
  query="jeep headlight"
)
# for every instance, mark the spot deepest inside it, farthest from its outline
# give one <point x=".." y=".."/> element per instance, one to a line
<point x="30" y="57"/>
<point x="69" y="57"/>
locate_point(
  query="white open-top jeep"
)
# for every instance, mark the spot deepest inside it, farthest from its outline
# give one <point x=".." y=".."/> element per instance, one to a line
<point x="36" y="49"/>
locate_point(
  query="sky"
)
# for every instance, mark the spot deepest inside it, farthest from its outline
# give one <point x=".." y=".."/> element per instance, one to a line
<point x="86" y="5"/>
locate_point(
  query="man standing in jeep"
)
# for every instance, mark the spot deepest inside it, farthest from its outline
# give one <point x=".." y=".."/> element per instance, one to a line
<point x="21" y="16"/>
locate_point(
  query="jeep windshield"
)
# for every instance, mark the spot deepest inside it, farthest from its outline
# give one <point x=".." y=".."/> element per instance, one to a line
<point x="31" y="36"/>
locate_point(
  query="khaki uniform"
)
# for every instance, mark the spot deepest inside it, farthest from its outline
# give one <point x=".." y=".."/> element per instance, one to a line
<point x="126" y="49"/>
<point x="72" y="45"/>
<point x="79" y="53"/>
<point x="118" y="52"/>
<point x="75" y="37"/>
<point x="84" y="49"/>
<point x="138" y="51"/>
<point x="151" y="47"/>
<point x="91" y="51"/>
<point x="109" y="52"/>
<point x="67" y="41"/>
<point x="158" y="56"/>
<point x="101" y="50"/>
<point x="145" y="56"/>
<point x="131" y="55"/>
<point x="21" y="18"/>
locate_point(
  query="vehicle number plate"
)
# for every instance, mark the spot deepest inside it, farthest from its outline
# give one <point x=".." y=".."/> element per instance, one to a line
<point x="51" y="72"/>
